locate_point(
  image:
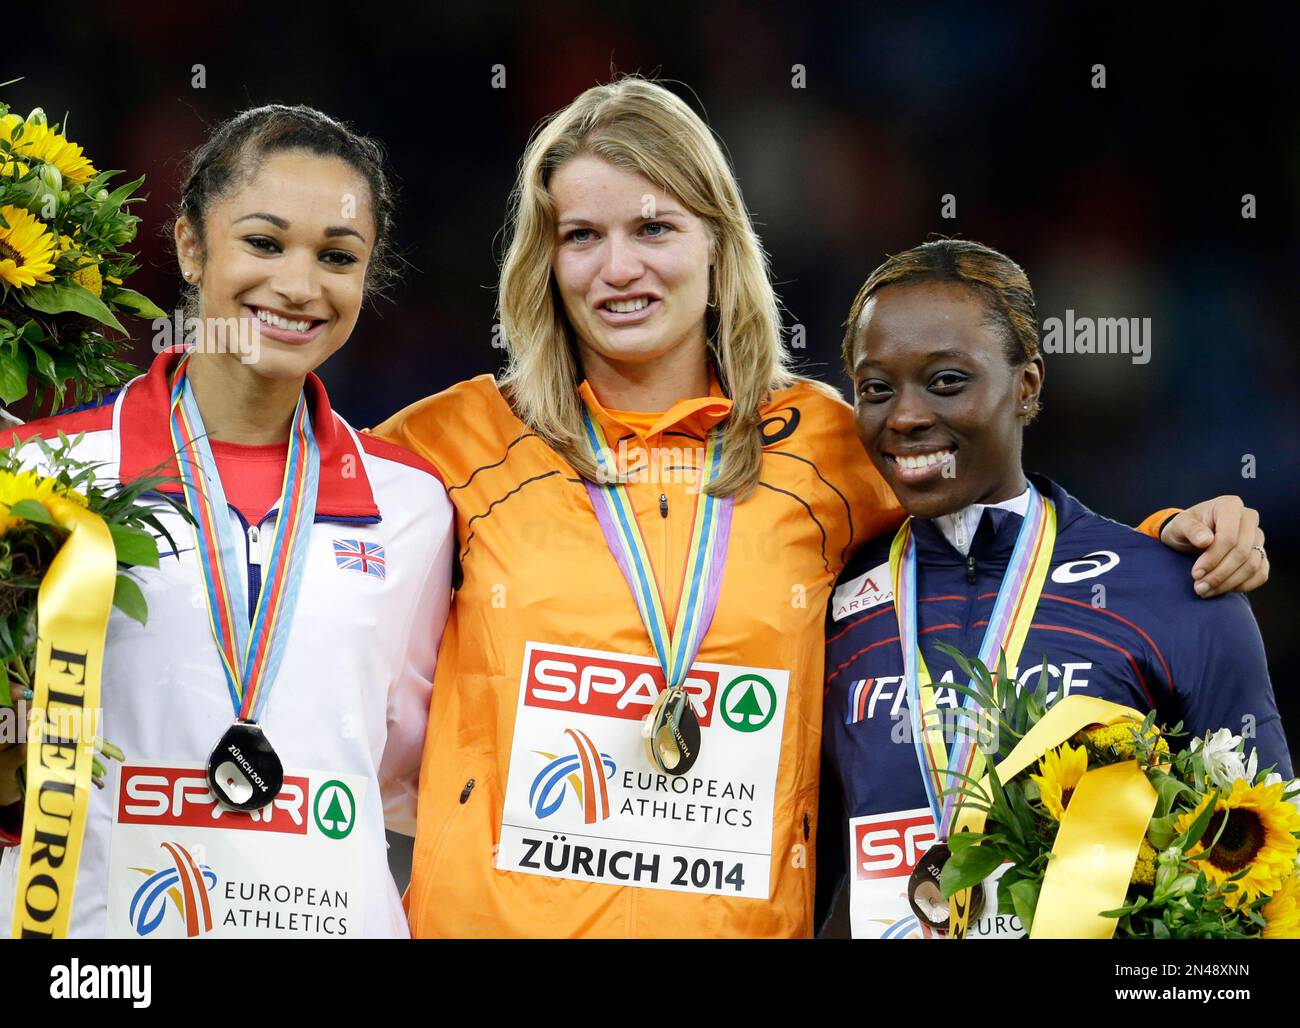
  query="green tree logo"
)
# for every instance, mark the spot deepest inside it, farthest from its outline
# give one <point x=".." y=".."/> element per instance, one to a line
<point x="335" y="810"/>
<point x="748" y="703"/>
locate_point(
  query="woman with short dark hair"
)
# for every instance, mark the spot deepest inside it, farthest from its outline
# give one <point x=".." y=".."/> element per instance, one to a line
<point x="942" y="348"/>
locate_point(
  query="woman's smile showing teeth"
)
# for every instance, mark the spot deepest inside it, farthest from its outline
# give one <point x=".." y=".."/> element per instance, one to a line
<point x="628" y="309"/>
<point x="285" y="328"/>
<point x="916" y="467"/>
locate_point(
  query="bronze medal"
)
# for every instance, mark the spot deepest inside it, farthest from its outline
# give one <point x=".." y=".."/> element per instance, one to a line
<point x="925" y="896"/>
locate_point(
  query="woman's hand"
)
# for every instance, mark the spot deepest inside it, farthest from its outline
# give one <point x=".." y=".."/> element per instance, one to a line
<point x="1229" y="534"/>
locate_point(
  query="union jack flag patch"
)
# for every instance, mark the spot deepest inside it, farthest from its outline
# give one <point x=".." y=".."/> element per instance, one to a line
<point x="354" y="555"/>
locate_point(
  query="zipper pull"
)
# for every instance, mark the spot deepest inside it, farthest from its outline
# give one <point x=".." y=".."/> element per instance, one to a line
<point x="970" y="570"/>
<point x="255" y="545"/>
<point x="663" y="505"/>
<point x="464" y="793"/>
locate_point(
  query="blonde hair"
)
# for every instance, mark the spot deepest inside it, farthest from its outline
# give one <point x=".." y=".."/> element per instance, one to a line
<point x="640" y="126"/>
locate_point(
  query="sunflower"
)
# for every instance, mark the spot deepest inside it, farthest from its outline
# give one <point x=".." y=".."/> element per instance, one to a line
<point x="43" y="143"/>
<point x="1282" y="911"/>
<point x="1258" y="836"/>
<point x="28" y="485"/>
<point x="26" y="249"/>
<point x="1059" y="772"/>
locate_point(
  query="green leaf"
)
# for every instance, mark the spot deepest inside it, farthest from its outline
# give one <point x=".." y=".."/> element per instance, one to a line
<point x="31" y="510"/>
<point x="1160" y="832"/>
<point x="137" y="302"/>
<point x="44" y="362"/>
<point x="962" y="662"/>
<point x="128" y="598"/>
<point x="110" y="205"/>
<point x="134" y="546"/>
<point x="62" y="298"/>
<point x="959" y="841"/>
<point x="1024" y="899"/>
<point x="968" y="868"/>
<point x="1197" y="828"/>
<point x="13" y="376"/>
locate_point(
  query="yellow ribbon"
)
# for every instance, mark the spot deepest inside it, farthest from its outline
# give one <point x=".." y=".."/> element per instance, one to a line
<point x="72" y="610"/>
<point x="1097" y="843"/>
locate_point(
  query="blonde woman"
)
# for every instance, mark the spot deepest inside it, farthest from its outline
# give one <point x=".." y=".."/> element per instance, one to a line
<point x="652" y="510"/>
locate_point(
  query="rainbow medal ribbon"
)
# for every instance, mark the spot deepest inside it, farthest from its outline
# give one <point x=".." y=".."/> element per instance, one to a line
<point x="671" y="730"/>
<point x="244" y="771"/>
<point x="943" y="769"/>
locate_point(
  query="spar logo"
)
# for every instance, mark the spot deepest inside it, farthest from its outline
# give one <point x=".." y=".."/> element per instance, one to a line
<point x="185" y="882"/>
<point x="179" y="797"/>
<point x="335" y="810"/>
<point x="889" y="845"/>
<point x="748" y="703"/>
<point x="607" y="684"/>
<point x="585" y="772"/>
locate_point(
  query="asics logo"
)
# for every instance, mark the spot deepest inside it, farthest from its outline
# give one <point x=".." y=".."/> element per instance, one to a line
<point x="1091" y="566"/>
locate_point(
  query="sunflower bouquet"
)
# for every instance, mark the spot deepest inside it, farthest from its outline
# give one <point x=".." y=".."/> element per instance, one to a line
<point x="61" y="267"/>
<point x="31" y="536"/>
<point x="1214" y="839"/>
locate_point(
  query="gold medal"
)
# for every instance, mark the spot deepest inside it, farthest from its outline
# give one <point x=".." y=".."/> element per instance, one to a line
<point x="671" y="732"/>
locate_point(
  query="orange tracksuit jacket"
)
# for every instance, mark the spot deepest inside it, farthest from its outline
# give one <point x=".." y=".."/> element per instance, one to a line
<point x="539" y="812"/>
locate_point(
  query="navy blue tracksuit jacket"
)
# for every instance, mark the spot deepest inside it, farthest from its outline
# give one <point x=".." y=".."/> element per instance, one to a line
<point x="1117" y="619"/>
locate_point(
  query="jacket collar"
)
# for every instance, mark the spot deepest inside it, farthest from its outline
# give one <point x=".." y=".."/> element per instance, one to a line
<point x="995" y="534"/>
<point x="694" y="416"/>
<point x="145" y="443"/>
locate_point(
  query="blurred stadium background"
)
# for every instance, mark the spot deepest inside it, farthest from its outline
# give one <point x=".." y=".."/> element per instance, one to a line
<point x="1120" y="202"/>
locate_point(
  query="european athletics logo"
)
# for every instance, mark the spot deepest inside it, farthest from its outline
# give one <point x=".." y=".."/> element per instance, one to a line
<point x="551" y="784"/>
<point x="186" y="883"/>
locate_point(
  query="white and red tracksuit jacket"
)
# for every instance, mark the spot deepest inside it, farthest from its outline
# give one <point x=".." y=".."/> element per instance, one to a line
<point x="349" y="705"/>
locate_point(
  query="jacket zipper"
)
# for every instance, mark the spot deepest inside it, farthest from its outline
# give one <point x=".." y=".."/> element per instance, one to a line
<point x="254" y="536"/>
<point x="666" y="573"/>
<point x="968" y="634"/>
